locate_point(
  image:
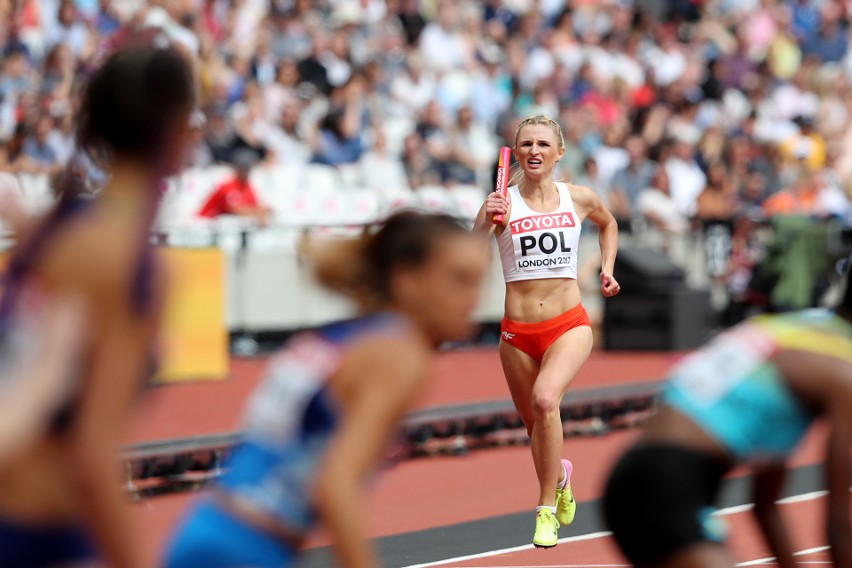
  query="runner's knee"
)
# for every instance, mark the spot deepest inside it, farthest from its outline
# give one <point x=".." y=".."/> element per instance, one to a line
<point x="545" y="402"/>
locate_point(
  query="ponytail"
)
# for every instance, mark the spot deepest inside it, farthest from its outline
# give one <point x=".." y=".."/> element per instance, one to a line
<point x="362" y="268"/>
<point x="516" y="175"/>
<point x="339" y="264"/>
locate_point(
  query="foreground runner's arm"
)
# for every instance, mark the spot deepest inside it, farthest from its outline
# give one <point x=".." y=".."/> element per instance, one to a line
<point x="831" y="392"/>
<point x="839" y="477"/>
<point x="385" y="377"/>
<point x="119" y="358"/>
<point x="768" y="482"/>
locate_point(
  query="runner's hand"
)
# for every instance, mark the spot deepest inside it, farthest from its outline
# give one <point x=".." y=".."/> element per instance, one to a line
<point x="609" y="286"/>
<point x="496" y="204"/>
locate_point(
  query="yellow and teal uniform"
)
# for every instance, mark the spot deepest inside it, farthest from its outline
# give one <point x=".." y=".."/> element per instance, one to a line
<point x="735" y="392"/>
<point x="660" y="496"/>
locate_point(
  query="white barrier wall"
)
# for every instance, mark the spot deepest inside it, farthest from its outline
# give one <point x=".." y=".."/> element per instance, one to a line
<point x="268" y="289"/>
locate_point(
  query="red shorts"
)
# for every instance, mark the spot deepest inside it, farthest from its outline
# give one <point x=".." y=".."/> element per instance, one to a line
<point x="535" y="338"/>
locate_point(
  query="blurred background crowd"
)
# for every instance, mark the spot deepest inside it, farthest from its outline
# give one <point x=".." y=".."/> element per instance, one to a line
<point x="685" y="115"/>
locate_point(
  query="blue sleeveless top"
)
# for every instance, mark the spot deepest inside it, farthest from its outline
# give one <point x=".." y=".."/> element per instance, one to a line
<point x="734" y="391"/>
<point x="290" y="420"/>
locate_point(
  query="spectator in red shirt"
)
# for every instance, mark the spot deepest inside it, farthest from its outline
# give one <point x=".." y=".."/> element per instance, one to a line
<point x="236" y="196"/>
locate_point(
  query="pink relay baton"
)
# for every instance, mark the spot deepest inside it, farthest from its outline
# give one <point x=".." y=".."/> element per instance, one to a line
<point x="502" y="185"/>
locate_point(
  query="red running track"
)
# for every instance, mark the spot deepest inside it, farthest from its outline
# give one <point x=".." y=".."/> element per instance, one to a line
<point x="188" y="409"/>
<point x="483" y="484"/>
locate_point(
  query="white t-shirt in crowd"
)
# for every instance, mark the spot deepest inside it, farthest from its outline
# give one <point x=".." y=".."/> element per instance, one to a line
<point x="668" y="66"/>
<point x="686" y="182"/>
<point x="609" y="161"/>
<point x="441" y="49"/>
<point x="415" y="95"/>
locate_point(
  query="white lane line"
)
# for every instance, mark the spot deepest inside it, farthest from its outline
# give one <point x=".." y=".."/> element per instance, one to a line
<point x="785" y="501"/>
<point x="501" y="551"/>
<point x="813" y="550"/>
<point x="769" y="559"/>
<point x="810" y="496"/>
<point x="803" y="497"/>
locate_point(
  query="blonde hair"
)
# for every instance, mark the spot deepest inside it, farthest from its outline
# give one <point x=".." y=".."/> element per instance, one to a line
<point x="517" y="176"/>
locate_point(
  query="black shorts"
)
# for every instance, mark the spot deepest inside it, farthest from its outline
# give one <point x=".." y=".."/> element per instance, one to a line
<point x="658" y="501"/>
<point x="33" y="546"/>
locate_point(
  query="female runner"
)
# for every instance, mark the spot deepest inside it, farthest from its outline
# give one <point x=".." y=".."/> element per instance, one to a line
<point x="545" y="335"/>
<point x="60" y="503"/>
<point x="749" y="396"/>
<point x="320" y="421"/>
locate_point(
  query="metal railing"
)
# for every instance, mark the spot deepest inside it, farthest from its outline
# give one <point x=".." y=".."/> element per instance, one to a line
<point x="190" y="463"/>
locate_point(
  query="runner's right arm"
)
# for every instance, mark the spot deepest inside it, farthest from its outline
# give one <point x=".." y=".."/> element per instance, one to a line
<point x="839" y="477"/>
<point x="377" y="384"/>
<point x="495" y="204"/>
<point x="768" y="482"/>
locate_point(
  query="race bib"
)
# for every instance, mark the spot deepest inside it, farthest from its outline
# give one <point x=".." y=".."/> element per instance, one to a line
<point x="541" y="241"/>
<point x="278" y="405"/>
<point x="708" y="375"/>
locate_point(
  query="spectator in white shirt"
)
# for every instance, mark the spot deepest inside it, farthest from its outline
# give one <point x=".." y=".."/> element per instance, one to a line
<point x="686" y="179"/>
<point x="441" y="45"/>
<point x="415" y="87"/>
<point x="61" y="139"/>
<point x="69" y="29"/>
<point x="381" y="170"/>
<point x="283" y="91"/>
<point x="667" y="59"/>
<point x="491" y="91"/>
<point x="611" y="157"/>
<point x="472" y="149"/>
<point x="336" y="59"/>
<point x="656" y="204"/>
<point x="285" y="141"/>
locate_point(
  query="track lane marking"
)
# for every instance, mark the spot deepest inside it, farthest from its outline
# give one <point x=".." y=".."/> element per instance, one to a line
<point x="803" y="497"/>
<point x="805" y="552"/>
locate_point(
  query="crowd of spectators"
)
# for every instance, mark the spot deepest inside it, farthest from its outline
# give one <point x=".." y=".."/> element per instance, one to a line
<point x="678" y="112"/>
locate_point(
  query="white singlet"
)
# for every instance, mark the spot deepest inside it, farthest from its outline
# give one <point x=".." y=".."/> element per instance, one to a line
<point x="537" y="245"/>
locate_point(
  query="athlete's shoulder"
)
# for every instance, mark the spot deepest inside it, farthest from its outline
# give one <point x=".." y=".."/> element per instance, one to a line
<point x="580" y="193"/>
<point x="85" y="254"/>
<point x="346" y="330"/>
<point x="401" y="352"/>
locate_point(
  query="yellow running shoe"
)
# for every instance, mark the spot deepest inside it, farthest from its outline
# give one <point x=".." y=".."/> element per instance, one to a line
<point x="546" y="529"/>
<point x="566" y="507"/>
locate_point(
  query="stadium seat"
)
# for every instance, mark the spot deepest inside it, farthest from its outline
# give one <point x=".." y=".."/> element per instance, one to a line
<point x="436" y="199"/>
<point x="316" y="177"/>
<point x="277" y="187"/>
<point x="350" y="175"/>
<point x="469" y="199"/>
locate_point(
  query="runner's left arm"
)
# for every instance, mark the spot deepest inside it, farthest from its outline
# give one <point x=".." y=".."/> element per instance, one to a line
<point x="608" y="231"/>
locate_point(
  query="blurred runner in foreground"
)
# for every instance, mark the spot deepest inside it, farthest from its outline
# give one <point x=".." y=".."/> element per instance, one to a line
<point x="60" y="502"/>
<point x="748" y="397"/>
<point x="319" y="423"/>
